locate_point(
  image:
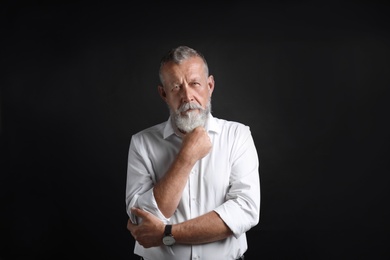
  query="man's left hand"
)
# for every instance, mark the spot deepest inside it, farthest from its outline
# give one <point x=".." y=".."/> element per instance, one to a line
<point x="149" y="232"/>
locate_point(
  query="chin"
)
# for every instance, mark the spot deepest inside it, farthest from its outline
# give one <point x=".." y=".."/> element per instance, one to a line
<point x="190" y="112"/>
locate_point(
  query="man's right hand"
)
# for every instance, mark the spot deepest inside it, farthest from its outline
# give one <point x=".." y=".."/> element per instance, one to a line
<point x="196" y="145"/>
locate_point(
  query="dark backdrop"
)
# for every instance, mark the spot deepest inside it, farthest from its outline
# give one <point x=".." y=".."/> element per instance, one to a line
<point x="311" y="80"/>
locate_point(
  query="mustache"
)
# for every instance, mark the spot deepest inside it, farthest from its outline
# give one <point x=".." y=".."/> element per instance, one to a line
<point x="188" y="106"/>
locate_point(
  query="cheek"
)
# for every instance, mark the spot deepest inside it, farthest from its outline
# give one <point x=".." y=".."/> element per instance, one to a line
<point x="205" y="96"/>
<point x="173" y="103"/>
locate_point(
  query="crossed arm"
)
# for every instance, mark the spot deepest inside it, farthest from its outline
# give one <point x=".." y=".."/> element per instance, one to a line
<point x="203" y="229"/>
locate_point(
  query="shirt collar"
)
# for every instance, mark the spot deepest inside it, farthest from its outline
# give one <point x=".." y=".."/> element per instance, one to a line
<point x="211" y="126"/>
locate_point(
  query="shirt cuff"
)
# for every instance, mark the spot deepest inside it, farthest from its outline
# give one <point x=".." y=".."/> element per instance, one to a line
<point x="148" y="203"/>
<point x="232" y="214"/>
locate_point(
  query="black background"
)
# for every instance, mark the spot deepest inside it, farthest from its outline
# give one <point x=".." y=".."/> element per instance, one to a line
<point x="311" y="80"/>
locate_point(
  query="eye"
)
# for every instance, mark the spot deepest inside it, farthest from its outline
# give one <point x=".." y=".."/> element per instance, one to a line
<point x="175" y="88"/>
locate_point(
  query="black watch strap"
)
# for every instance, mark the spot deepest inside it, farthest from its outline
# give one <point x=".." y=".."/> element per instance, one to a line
<point x="168" y="230"/>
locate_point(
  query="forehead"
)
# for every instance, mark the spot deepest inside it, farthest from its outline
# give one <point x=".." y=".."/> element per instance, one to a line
<point x="190" y="67"/>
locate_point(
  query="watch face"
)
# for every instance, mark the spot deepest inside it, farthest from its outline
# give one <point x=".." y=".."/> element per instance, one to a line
<point x="168" y="240"/>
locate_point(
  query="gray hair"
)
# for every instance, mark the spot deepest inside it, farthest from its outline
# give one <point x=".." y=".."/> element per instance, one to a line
<point x="178" y="55"/>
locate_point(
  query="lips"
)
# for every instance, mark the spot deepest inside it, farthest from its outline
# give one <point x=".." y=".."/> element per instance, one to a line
<point x="188" y="111"/>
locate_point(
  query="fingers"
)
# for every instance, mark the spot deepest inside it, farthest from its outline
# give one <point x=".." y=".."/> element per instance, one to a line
<point x="130" y="225"/>
<point x="139" y="212"/>
<point x="145" y="232"/>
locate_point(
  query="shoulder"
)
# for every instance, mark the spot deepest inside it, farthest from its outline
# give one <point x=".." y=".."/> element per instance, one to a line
<point x="155" y="131"/>
<point x="232" y="132"/>
<point x="232" y="126"/>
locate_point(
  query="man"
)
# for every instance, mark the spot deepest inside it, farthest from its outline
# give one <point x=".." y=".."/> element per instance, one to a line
<point x="193" y="186"/>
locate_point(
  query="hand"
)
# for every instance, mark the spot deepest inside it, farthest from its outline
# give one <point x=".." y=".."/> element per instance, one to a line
<point x="149" y="232"/>
<point x="196" y="144"/>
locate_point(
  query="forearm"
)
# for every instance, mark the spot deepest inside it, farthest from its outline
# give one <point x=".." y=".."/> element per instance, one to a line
<point x="169" y="189"/>
<point x="203" y="229"/>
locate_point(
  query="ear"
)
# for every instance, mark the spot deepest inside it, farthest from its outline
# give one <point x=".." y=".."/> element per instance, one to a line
<point x="162" y="92"/>
<point x="211" y="84"/>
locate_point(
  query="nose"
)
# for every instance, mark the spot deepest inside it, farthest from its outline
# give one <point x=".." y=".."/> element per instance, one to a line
<point x="187" y="95"/>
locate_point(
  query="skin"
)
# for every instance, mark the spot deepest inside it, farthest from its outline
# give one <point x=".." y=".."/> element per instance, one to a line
<point x="183" y="83"/>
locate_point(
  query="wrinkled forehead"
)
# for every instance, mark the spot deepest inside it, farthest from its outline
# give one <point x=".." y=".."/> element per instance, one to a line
<point x="189" y="68"/>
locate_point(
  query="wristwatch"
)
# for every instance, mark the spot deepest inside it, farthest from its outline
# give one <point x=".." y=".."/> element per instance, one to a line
<point x="168" y="238"/>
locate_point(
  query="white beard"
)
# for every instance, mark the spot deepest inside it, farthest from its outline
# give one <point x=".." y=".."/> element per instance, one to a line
<point x="190" y="120"/>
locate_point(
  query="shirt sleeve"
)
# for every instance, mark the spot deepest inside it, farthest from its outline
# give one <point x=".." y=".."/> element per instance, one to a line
<point x="139" y="183"/>
<point x="241" y="211"/>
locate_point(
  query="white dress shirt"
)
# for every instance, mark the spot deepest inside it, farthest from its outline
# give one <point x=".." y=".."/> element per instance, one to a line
<point x="226" y="181"/>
